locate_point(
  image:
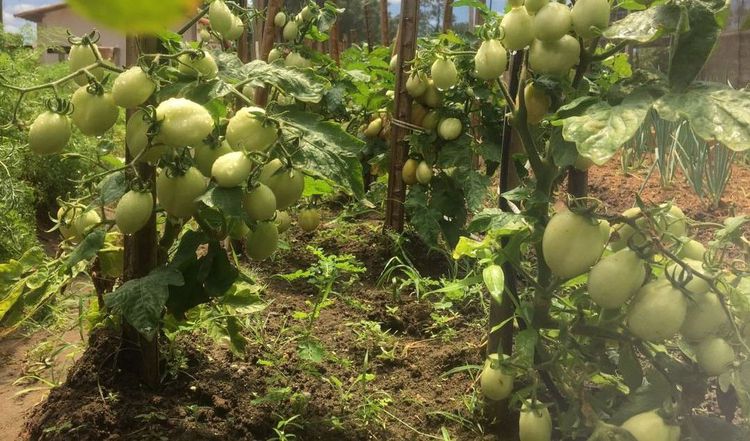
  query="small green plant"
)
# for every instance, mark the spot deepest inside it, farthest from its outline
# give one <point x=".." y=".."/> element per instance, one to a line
<point x="282" y="426"/>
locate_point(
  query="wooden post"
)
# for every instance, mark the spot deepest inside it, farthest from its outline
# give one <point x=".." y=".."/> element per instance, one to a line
<point x="258" y="24"/>
<point x="261" y="93"/>
<point x="406" y="49"/>
<point x="140" y="355"/>
<point x="578" y="182"/>
<point x="243" y="44"/>
<point x="384" y="31"/>
<point x="334" y="44"/>
<point x="368" y="26"/>
<point x="448" y="16"/>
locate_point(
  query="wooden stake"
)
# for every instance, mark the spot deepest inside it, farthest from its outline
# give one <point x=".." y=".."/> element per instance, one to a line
<point x="385" y="38"/>
<point x="448" y="16"/>
<point x="261" y="93"/>
<point x="243" y="44"/>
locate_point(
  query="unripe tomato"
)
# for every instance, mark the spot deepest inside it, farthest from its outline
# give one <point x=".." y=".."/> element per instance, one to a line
<point x="715" y="356"/>
<point x="692" y="249"/>
<point x="262" y="241"/>
<point x="658" y="311"/>
<point x="204" y="35"/>
<point x="490" y="61"/>
<point x="307" y="13"/>
<point x="177" y="194"/>
<point x="409" y="171"/>
<point x="132" y="88"/>
<point x="444" y="73"/>
<point x="705" y="317"/>
<point x="231" y="169"/>
<point x="133" y="211"/>
<point x="283" y="221"/>
<point x="235" y="32"/>
<point x="373" y="128"/>
<point x="198" y="66"/>
<point x="494" y="382"/>
<point x="280" y="19"/>
<point x="616" y="278"/>
<point x="274" y="55"/>
<point x="136" y="139"/>
<point x="537" y="103"/>
<point x="294" y="59"/>
<point x="82" y="55"/>
<point x="418" y="112"/>
<point x="533" y="6"/>
<point x="65" y="219"/>
<point x="49" y="133"/>
<point x="552" y="22"/>
<point x="432" y="96"/>
<point x="672" y="222"/>
<point x="83" y="223"/>
<point x="205" y="155"/>
<point x="571" y="244"/>
<point x="416" y="84"/>
<point x="220" y="17"/>
<point x="93" y="114"/>
<point x="450" y="128"/>
<point x="554" y="57"/>
<point x="517" y="26"/>
<point x="393" y="65"/>
<point x="259" y="203"/>
<point x="534" y="424"/>
<point x="309" y="219"/>
<point x="424" y="173"/>
<point x="649" y="426"/>
<point x="431" y="120"/>
<point x="183" y="122"/>
<point x="588" y="14"/>
<point x="291" y="31"/>
<point x="287" y="184"/>
<point x="696" y="285"/>
<point x="247" y="130"/>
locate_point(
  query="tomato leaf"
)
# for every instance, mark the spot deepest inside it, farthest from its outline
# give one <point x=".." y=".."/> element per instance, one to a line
<point x="111" y="189"/>
<point x="603" y="128"/>
<point x="715" y="112"/>
<point x="227" y="200"/>
<point x="630" y="368"/>
<point x="141" y="301"/>
<point x="136" y="16"/>
<point x="301" y="84"/>
<point x="87" y="249"/>
<point x="648" y="25"/>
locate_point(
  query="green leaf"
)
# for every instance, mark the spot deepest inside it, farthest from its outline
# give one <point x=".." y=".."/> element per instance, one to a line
<point x="715" y="112"/>
<point x="603" y="128"/>
<point x="608" y="432"/>
<point x="301" y="84"/>
<point x="227" y="200"/>
<point x="646" y="26"/>
<point x="523" y="350"/>
<point x="136" y="16"/>
<point x="326" y="148"/>
<point x="630" y="367"/>
<point x="496" y="219"/>
<point x="564" y="153"/>
<point x="141" y="301"/>
<point x="111" y="189"/>
<point x="87" y="249"/>
<point x="311" y="350"/>
<point x="494" y="279"/>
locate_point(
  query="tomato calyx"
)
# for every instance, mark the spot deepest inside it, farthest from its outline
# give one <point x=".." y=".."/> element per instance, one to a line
<point x="60" y="106"/>
<point x="85" y="40"/>
<point x="94" y="87"/>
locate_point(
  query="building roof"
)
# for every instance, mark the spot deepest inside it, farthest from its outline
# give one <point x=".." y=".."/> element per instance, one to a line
<point x="37" y="14"/>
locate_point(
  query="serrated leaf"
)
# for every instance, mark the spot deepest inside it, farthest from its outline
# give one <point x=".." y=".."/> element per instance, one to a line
<point x="111" y="189"/>
<point x="646" y="26"/>
<point x="301" y="84"/>
<point x="87" y="249"/>
<point x="603" y="128"/>
<point x="311" y="350"/>
<point x="694" y="46"/>
<point x="227" y="200"/>
<point x="141" y="301"/>
<point x="499" y="220"/>
<point x="715" y="112"/>
<point x="523" y="349"/>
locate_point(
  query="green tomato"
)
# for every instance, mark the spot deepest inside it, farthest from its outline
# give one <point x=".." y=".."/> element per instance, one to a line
<point x="231" y="169"/>
<point x="556" y="57"/>
<point x="205" y="155"/>
<point x="616" y="278"/>
<point x="177" y="194"/>
<point x="287" y="184"/>
<point x="259" y="203"/>
<point x="534" y="424"/>
<point x="424" y="173"/>
<point x="409" y="171"/>
<point x="294" y="59"/>
<point x="273" y="55"/>
<point x="248" y="131"/>
<point x="65" y="220"/>
<point x="307" y="13"/>
<point x="280" y="19"/>
<point x="493" y="381"/>
<point x="444" y="73"/>
<point x="283" y="221"/>
<point x="82" y="224"/>
<point x="373" y="129"/>
<point x="220" y="17"/>
<point x="81" y="56"/>
<point x="658" y="311"/>
<point x="133" y="211"/>
<point x="431" y="120"/>
<point x="552" y="22"/>
<point x="291" y="31"/>
<point x="309" y="219"/>
<point x="136" y="140"/>
<point x="49" y="133"/>
<point x="533" y="6"/>
<point x="450" y="128"/>
<point x="572" y="244"/>
<point x="416" y="84"/>
<point x="517" y="28"/>
<point x="235" y="32"/>
<point x="588" y="15"/>
<point x="198" y="66"/>
<point x="393" y="65"/>
<point x="537" y="103"/>
<point x="490" y="61"/>
<point x="93" y="114"/>
<point x="692" y="249"/>
<point x="132" y="88"/>
<point x="696" y="285"/>
<point x="418" y="112"/>
<point x="649" y="426"/>
<point x="432" y="96"/>
<point x="183" y="122"/>
<point x="705" y="317"/>
<point x="262" y="241"/>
